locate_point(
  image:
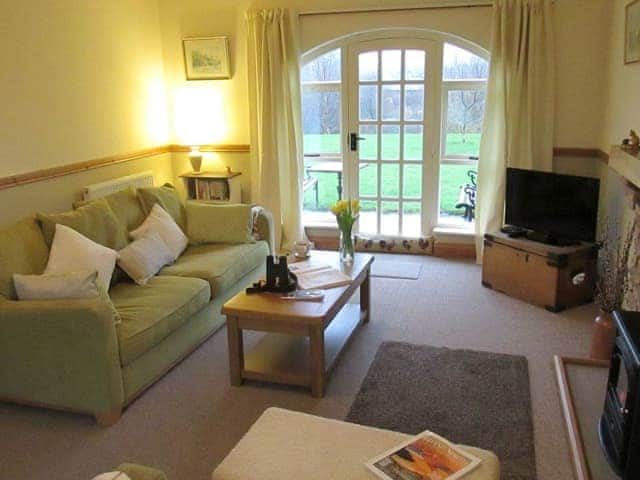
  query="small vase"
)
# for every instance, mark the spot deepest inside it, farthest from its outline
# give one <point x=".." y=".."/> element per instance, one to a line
<point x="604" y="336"/>
<point x="347" y="246"/>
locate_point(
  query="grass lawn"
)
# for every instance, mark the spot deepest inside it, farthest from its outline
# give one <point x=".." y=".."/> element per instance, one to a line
<point x="451" y="176"/>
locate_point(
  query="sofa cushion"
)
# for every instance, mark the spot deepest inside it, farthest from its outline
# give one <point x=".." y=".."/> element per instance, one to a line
<point x="96" y="221"/>
<point x="221" y="265"/>
<point x="210" y="223"/>
<point x="22" y="250"/>
<point x="151" y="312"/>
<point x="168" y="198"/>
<point x="125" y="205"/>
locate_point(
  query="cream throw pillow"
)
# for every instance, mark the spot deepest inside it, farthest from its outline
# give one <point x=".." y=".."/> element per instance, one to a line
<point x="160" y="222"/>
<point x="56" y="286"/>
<point x="73" y="252"/>
<point x="143" y="258"/>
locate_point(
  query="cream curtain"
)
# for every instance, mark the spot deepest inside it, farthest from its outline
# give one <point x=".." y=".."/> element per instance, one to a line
<point x="276" y="140"/>
<point x="518" y="121"/>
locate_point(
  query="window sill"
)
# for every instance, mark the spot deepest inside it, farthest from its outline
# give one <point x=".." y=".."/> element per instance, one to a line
<point x="449" y="230"/>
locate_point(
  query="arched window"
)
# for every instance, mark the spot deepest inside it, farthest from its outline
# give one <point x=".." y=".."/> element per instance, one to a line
<point x="395" y="122"/>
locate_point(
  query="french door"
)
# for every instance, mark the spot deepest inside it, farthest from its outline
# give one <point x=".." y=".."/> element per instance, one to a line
<point x="392" y="119"/>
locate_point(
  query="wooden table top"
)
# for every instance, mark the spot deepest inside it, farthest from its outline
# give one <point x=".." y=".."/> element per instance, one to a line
<point x="270" y="306"/>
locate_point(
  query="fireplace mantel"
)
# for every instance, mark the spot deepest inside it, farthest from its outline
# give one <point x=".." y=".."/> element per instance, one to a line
<point x="626" y="164"/>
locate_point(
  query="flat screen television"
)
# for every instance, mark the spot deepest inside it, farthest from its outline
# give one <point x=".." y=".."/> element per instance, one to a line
<point x="561" y="209"/>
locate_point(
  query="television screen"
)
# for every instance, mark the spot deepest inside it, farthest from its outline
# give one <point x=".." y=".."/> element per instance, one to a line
<point x="560" y="206"/>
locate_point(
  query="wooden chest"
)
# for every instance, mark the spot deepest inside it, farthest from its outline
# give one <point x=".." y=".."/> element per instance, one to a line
<point x="552" y="277"/>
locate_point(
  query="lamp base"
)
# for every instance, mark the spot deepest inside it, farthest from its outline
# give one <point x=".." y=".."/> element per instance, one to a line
<point x="196" y="162"/>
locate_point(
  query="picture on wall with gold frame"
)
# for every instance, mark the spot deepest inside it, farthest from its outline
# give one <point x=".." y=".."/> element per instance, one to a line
<point x="206" y="58"/>
<point x="632" y="33"/>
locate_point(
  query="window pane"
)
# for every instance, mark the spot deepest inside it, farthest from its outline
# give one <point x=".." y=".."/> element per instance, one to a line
<point x="324" y="68"/>
<point x="391" y="61"/>
<point x="414" y="102"/>
<point x="465" y="110"/>
<point x="368" y="148"/>
<point x="459" y="64"/>
<point x="368" y="222"/>
<point x="390" y="218"/>
<point x="390" y="179"/>
<point x="414" y="65"/>
<point x="390" y="142"/>
<point x="320" y="190"/>
<point x="411" y="219"/>
<point x="321" y="121"/>
<point x="368" y="102"/>
<point x="368" y="180"/>
<point x="453" y="180"/>
<point x="368" y="66"/>
<point x="391" y="102"/>
<point x="412" y="181"/>
<point x="413" y="142"/>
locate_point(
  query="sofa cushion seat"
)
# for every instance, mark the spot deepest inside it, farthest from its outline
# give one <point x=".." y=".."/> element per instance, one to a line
<point x="153" y="311"/>
<point x="222" y="265"/>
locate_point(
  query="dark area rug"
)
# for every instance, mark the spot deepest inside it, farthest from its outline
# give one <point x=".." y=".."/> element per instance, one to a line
<point x="476" y="398"/>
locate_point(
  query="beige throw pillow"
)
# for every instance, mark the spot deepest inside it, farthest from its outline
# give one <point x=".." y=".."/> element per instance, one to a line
<point x="73" y="252"/>
<point x="56" y="286"/>
<point x="144" y="257"/>
<point x="161" y="223"/>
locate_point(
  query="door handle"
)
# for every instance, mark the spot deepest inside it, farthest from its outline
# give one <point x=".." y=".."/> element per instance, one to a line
<point x="353" y="141"/>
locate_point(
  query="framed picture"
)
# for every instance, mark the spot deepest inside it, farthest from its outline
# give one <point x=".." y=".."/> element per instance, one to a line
<point x="632" y="33"/>
<point x="206" y="58"/>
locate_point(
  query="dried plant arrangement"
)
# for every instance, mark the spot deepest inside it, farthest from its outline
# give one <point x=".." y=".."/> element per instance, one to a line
<point x="613" y="266"/>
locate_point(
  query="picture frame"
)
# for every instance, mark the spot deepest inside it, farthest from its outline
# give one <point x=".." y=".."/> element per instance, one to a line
<point x="632" y="33"/>
<point x="206" y="58"/>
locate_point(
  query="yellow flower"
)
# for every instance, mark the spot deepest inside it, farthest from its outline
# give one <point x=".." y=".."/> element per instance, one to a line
<point x="355" y="206"/>
<point x="339" y="207"/>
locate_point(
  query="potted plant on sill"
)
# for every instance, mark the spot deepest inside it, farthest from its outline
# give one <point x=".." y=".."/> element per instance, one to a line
<point x="611" y="287"/>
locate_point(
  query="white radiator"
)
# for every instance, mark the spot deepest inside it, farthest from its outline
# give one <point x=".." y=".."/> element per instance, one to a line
<point x="97" y="190"/>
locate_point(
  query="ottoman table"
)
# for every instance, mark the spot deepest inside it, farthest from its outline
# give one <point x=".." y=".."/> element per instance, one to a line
<point x="290" y="445"/>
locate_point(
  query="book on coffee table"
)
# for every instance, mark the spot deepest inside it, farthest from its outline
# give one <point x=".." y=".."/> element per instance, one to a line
<point x="323" y="278"/>
<point x="427" y="456"/>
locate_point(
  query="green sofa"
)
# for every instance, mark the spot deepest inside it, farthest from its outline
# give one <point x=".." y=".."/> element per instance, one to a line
<point x="72" y="355"/>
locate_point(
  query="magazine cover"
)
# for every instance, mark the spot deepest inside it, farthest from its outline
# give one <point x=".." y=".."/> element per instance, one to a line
<point x="426" y="456"/>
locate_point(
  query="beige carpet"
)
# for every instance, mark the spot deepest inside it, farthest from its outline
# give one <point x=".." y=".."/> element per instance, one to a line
<point x="389" y="269"/>
<point x="187" y="422"/>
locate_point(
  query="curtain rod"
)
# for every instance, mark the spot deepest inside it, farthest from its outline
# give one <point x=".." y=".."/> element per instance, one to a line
<point x="432" y="6"/>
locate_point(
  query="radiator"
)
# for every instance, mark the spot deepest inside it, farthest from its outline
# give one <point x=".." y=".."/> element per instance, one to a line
<point x="97" y="190"/>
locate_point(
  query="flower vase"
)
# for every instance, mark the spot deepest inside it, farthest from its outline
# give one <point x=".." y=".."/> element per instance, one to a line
<point x="604" y="336"/>
<point x="347" y="246"/>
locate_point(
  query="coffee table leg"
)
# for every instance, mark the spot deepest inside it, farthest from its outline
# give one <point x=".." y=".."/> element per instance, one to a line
<point x="316" y="340"/>
<point x="236" y="351"/>
<point x="365" y="297"/>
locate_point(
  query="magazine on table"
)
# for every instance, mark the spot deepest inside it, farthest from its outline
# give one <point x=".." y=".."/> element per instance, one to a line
<point x="426" y="456"/>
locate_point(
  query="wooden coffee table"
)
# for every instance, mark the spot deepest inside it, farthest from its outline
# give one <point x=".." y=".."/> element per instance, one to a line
<point x="304" y="339"/>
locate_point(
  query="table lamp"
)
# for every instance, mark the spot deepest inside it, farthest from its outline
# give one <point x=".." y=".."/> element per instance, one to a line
<point x="195" y="158"/>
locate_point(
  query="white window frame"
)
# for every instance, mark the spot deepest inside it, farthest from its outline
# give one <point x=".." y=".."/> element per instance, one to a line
<point x="446" y="85"/>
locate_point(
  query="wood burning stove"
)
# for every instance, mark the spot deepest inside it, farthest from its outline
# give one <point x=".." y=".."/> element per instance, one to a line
<point x="619" y="426"/>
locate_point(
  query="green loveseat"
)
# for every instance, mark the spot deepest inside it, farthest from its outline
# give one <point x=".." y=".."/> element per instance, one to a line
<point x="73" y="355"/>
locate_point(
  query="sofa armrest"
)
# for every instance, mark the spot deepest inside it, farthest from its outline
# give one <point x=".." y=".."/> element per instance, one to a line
<point x="265" y="228"/>
<point x="61" y="354"/>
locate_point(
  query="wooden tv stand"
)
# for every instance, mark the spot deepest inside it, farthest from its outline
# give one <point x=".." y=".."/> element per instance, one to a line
<point x="538" y="273"/>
